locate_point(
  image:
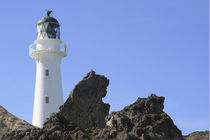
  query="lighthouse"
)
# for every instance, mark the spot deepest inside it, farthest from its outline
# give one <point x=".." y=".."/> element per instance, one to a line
<point x="48" y="51"/>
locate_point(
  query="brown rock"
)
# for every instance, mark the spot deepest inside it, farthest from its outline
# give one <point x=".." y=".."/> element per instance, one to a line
<point x="144" y="120"/>
<point x="84" y="105"/>
<point x="9" y="122"/>
<point x="84" y="116"/>
<point x="203" y="135"/>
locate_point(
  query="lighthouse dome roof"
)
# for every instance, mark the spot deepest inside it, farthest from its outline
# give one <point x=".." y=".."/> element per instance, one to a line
<point x="48" y="18"/>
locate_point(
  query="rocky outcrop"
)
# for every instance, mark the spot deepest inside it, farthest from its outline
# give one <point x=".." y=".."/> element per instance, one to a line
<point x="143" y="120"/>
<point x="203" y="135"/>
<point x="83" y="109"/>
<point x="84" y="105"/>
<point x="9" y="122"/>
<point x="84" y="116"/>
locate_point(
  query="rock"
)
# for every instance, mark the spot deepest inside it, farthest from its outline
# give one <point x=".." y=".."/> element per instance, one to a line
<point x="203" y="135"/>
<point x="144" y="120"/>
<point x="84" y="116"/>
<point x="83" y="109"/>
<point x="84" y="105"/>
<point x="9" y="122"/>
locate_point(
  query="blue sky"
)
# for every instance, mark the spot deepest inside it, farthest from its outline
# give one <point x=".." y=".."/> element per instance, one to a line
<point x="142" y="46"/>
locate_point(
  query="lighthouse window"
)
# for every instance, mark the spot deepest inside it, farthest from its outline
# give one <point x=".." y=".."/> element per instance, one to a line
<point x="48" y="30"/>
<point x="46" y="72"/>
<point x="47" y="99"/>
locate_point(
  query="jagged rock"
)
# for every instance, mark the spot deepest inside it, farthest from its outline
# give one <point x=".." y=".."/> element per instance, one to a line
<point x="83" y="109"/>
<point x="84" y="116"/>
<point x="9" y="122"/>
<point x="144" y="120"/>
<point x="203" y="135"/>
<point x="84" y="105"/>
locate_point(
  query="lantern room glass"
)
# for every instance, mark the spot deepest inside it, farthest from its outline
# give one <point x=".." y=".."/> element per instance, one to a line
<point x="48" y="30"/>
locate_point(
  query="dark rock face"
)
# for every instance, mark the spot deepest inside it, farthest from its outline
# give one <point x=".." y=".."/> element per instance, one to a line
<point x="204" y="135"/>
<point x="9" y="122"/>
<point x="84" y="116"/>
<point x="143" y="120"/>
<point x="84" y="105"/>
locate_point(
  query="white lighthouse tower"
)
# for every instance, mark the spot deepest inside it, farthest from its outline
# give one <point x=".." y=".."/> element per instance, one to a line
<point x="48" y="51"/>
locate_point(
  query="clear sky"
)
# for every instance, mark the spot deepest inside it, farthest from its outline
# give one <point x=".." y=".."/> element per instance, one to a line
<point x="142" y="46"/>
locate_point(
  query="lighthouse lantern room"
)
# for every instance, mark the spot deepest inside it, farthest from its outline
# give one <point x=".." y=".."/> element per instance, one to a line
<point x="48" y="51"/>
<point x="48" y="27"/>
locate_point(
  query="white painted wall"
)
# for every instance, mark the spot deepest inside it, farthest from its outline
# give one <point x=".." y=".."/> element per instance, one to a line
<point x="48" y="56"/>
